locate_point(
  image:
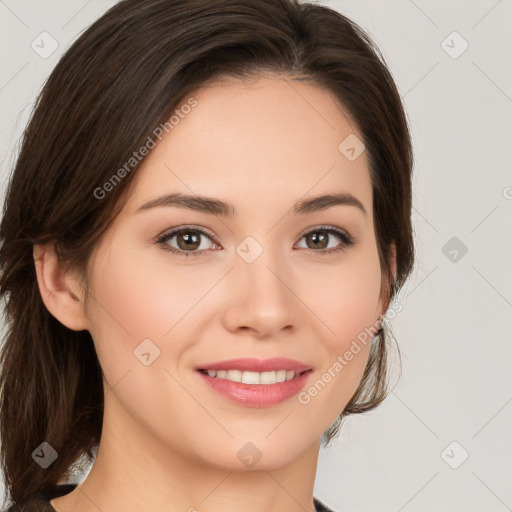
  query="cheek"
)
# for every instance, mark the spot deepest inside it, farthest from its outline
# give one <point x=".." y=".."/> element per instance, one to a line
<point x="348" y="308"/>
<point x="130" y="302"/>
<point x="355" y="305"/>
<point x="141" y="295"/>
<point x="345" y="296"/>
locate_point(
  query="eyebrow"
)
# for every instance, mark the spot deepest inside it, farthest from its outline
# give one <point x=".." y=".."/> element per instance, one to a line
<point x="214" y="206"/>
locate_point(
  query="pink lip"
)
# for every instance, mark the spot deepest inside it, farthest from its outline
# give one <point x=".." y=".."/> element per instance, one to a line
<point x="257" y="365"/>
<point x="256" y="395"/>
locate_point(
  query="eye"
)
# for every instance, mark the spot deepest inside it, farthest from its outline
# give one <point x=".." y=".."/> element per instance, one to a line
<point x="188" y="240"/>
<point x="189" y="243"/>
<point x="320" y="238"/>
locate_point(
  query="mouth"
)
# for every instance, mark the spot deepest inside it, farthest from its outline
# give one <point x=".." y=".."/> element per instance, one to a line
<point x="254" y="378"/>
<point x="255" y="389"/>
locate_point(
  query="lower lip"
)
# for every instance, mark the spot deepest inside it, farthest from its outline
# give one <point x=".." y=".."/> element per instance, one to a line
<point x="256" y="395"/>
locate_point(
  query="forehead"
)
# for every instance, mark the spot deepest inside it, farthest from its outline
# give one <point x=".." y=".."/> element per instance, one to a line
<point x="268" y="140"/>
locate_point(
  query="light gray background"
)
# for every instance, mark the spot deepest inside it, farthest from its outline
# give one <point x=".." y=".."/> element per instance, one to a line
<point x="455" y="328"/>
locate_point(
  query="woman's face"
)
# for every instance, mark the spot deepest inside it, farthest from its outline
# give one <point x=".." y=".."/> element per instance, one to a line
<point x="261" y="283"/>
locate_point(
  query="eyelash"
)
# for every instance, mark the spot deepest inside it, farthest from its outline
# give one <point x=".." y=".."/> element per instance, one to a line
<point x="347" y="240"/>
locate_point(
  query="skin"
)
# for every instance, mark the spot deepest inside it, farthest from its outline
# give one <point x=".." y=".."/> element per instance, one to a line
<point x="169" y="442"/>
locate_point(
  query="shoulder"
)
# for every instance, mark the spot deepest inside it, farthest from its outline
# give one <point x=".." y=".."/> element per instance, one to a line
<point x="321" y="507"/>
<point x="40" y="501"/>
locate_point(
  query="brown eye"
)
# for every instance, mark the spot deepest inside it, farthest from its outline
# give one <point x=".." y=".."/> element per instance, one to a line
<point x="319" y="240"/>
<point x="189" y="241"/>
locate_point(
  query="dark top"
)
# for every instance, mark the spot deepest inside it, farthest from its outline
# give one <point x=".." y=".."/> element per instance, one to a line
<point x="40" y="501"/>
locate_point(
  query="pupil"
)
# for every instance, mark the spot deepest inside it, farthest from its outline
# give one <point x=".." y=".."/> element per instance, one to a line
<point x="319" y="238"/>
<point x="190" y="240"/>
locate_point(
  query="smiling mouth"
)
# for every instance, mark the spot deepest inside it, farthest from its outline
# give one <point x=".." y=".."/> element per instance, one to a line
<point x="258" y="378"/>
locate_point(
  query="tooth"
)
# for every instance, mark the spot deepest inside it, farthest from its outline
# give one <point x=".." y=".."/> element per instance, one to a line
<point x="234" y="375"/>
<point x="267" y="378"/>
<point x="281" y="375"/>
<point x="250" y="377"/>
<point x="254" y="377"/>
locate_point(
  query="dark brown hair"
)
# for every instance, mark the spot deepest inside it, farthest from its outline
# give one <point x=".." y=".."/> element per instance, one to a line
<point x="120" y="80"/>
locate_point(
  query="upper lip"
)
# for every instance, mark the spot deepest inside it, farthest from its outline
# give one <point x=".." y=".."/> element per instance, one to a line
<point x="257" y="365"/>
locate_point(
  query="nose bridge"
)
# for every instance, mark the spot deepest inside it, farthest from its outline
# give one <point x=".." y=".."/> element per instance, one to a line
<point x="263" y="300"/>
<point x="263" y="269"/>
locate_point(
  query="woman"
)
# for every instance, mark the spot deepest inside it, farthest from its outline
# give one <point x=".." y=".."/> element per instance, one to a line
<point x="207" y="222"/>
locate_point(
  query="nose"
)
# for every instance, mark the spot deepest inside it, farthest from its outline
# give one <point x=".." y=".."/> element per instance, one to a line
<point x="261" y="299"/>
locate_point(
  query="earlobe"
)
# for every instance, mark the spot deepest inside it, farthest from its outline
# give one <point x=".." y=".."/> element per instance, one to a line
<point x="59" y="289"/>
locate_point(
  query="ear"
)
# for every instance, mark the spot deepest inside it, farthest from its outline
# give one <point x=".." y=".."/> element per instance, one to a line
<point x="61" y="292"/>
